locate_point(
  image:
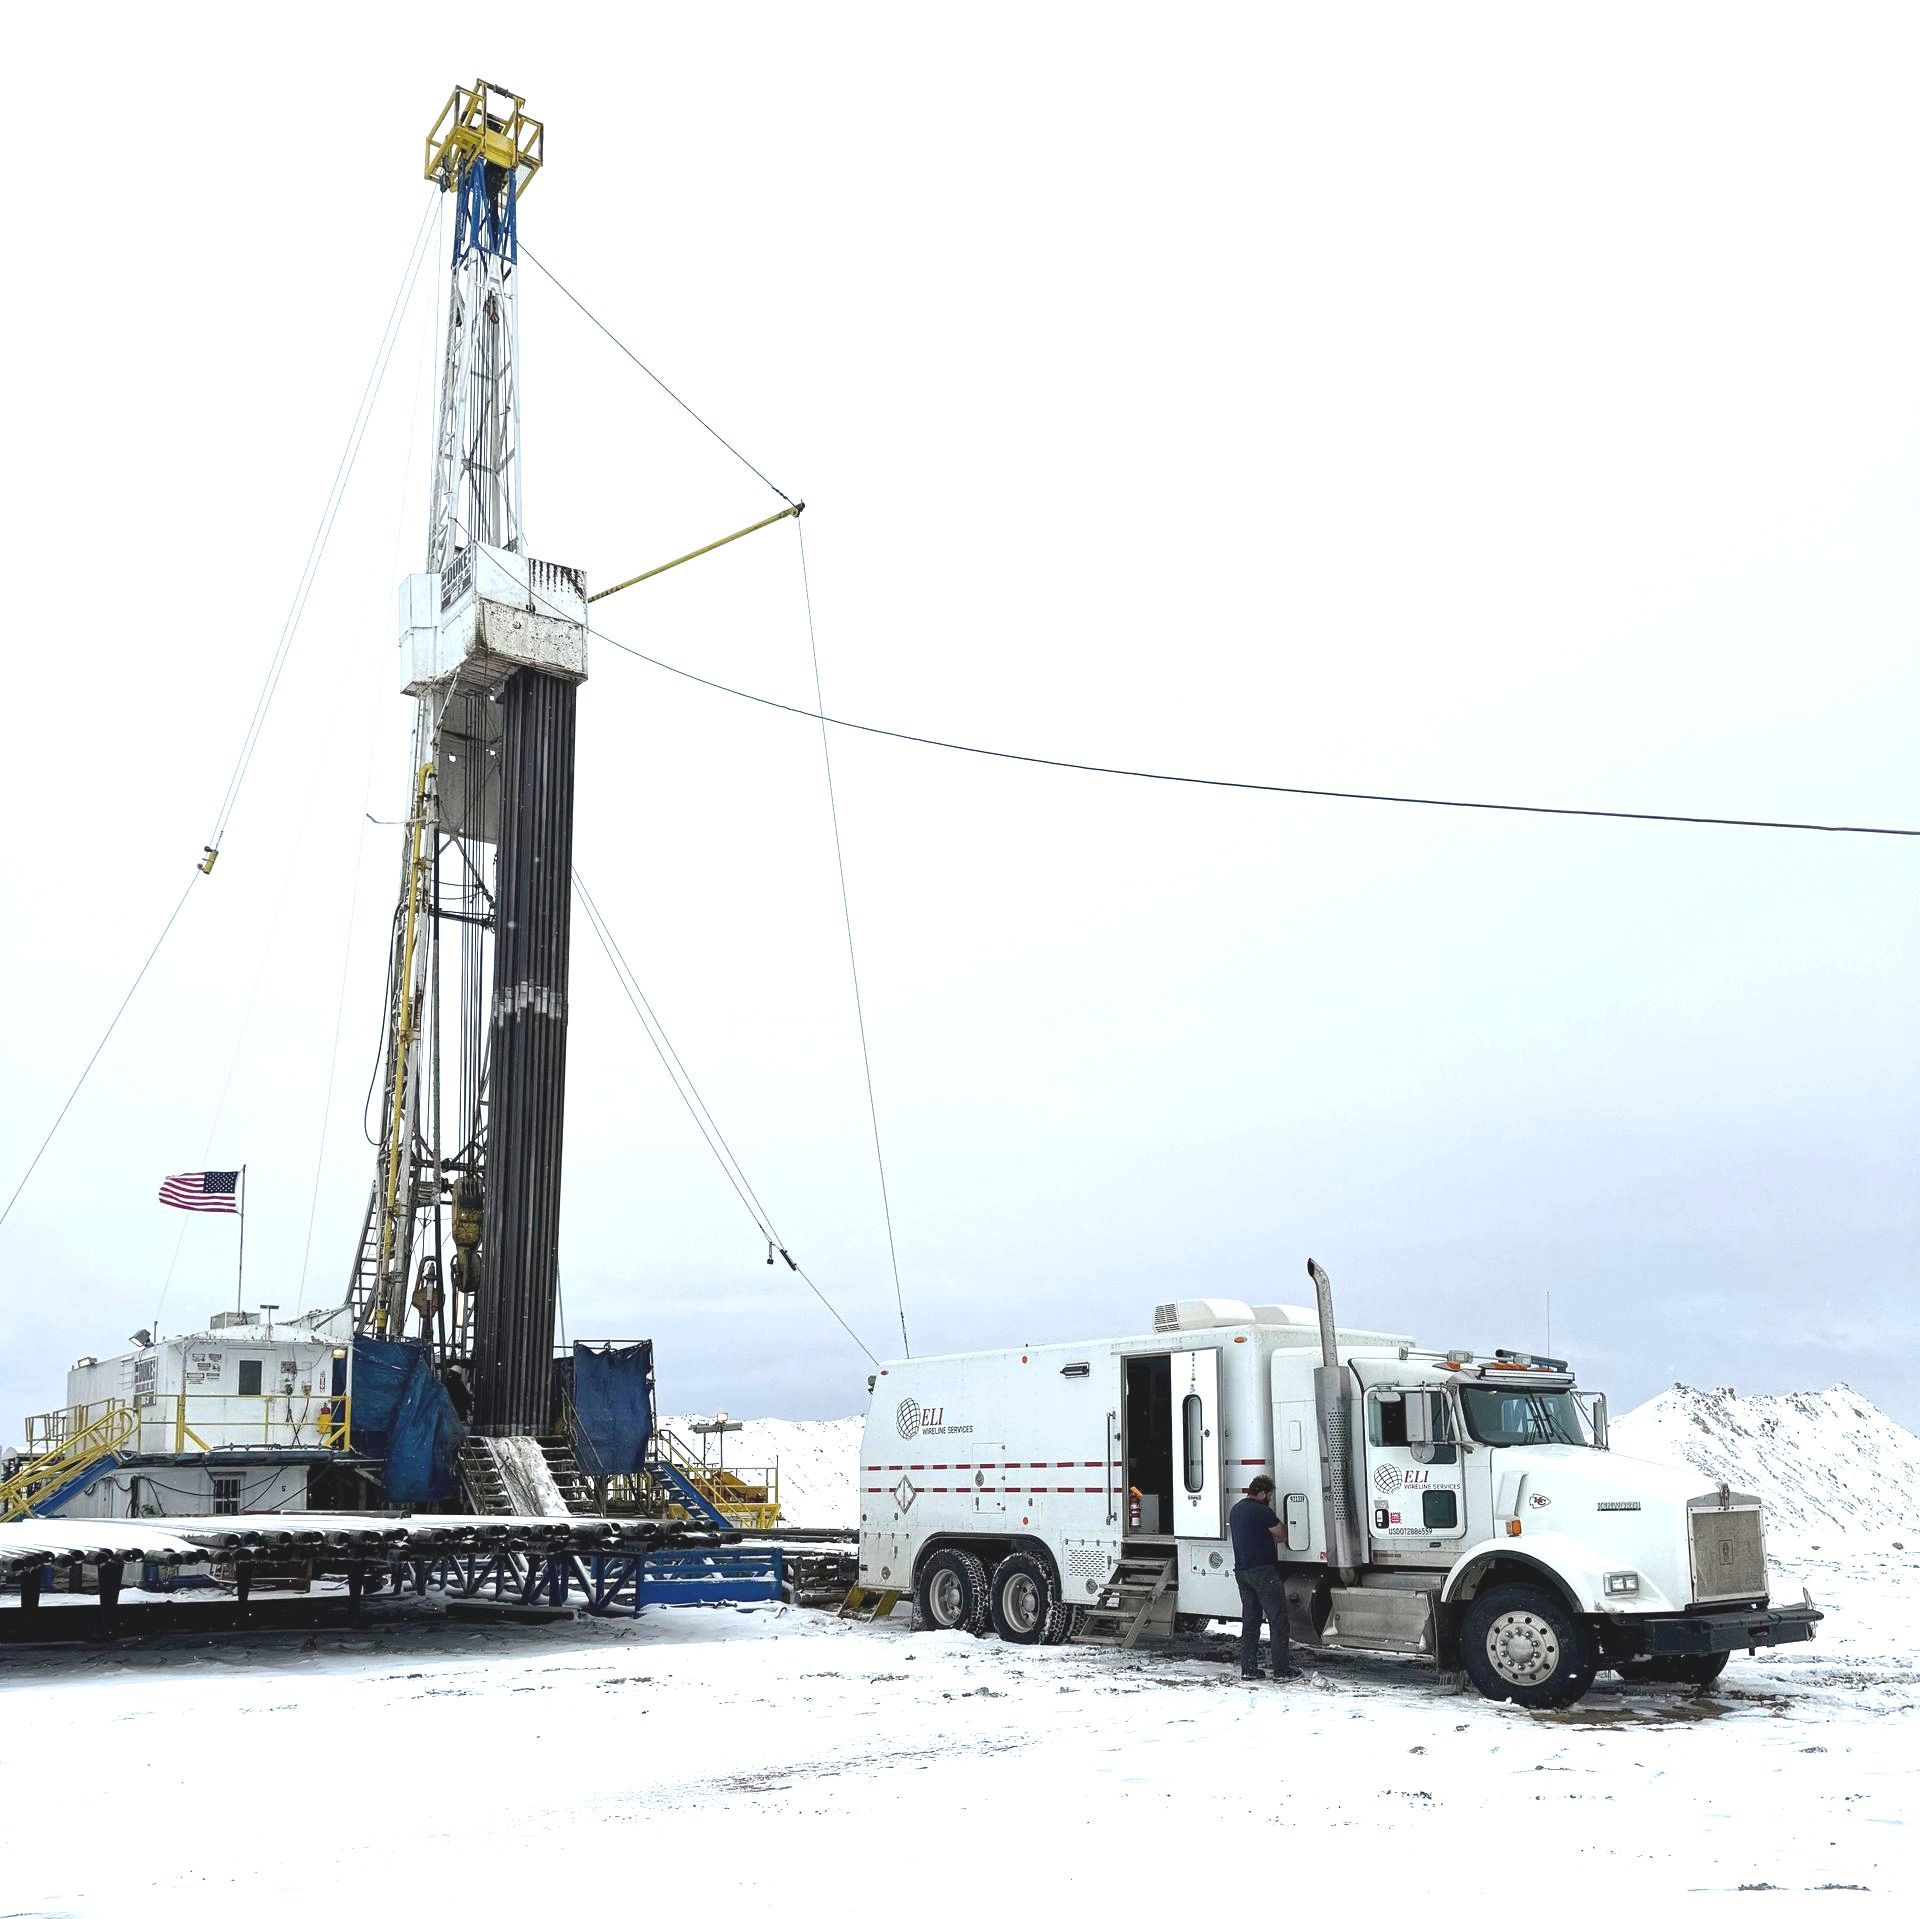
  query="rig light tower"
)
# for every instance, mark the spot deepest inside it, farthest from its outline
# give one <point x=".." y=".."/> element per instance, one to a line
<point x="462" y="1228"/>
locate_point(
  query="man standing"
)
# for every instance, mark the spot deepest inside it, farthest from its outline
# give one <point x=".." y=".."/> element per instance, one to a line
<point x="1256" y="1569"/>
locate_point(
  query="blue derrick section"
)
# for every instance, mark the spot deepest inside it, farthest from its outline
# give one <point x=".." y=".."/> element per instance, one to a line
<point x="484" y="223"/>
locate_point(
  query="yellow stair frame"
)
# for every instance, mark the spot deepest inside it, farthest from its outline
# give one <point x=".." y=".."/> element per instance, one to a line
<point x="39" y="1479"/>
<point x="748" y="1500"/>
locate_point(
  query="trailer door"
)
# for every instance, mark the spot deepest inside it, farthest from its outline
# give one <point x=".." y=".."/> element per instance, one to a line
<point x="1196" y="1444"/>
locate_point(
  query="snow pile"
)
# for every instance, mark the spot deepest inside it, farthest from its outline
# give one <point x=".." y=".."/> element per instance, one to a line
<point x="1827" y="1466"/>
<point x="819" y="1462"/>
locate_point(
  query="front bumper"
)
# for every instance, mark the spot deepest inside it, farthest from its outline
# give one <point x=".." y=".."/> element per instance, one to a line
<point x="1710" y="1632"/>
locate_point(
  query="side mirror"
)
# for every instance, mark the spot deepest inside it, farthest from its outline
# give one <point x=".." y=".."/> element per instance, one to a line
<point x="1420" y="1426"/>
<point x="1600" y="1421"/>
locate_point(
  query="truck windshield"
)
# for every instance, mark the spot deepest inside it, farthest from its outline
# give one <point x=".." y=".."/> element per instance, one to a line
<point x="1521" y="1416"/>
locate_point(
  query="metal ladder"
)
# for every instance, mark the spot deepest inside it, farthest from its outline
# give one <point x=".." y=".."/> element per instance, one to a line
<point x="860" y="1603"/>
<point x="1138" y="1589"/>
<point x="486" y="1490"/>
<point x="567" y="1477"/>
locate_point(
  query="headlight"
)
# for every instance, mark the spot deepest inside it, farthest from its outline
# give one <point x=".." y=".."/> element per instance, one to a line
<point x="1618" y="1583"/>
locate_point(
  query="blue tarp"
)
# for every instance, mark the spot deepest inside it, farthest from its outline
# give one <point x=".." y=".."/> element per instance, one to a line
<point x="422" y="1454"/>
<point x="401" y="1409"/>
<point x="382" y="1371"/>
<point x="612" y="1407"/>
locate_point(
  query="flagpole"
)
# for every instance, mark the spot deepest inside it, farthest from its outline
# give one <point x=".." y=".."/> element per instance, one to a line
<point x="240" y="1282"/>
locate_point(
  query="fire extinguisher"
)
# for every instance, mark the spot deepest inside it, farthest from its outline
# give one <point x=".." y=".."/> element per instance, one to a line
<point x="1133" y="1509"/>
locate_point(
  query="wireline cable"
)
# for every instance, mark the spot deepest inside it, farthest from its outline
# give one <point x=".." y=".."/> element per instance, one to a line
<point x="1249" y="786"/>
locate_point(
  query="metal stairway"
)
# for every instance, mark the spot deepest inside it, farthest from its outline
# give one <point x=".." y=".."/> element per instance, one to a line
<point x="482" y="1480"/>
<point x="677" y="1489"/>
<point x="567" y="1477"/>
<point x="690" y="1487"/>
<point x="1139" y="1593"/>
<point x="45" y="1484"/>
<point x="502" y="1477"/>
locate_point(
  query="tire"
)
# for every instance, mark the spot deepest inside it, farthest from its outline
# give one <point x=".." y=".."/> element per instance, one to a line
<point x="951" y="1592"/>
<point x="1680" y="1668"/>
<point x="1023" y="1599"/>
<point x="1062" y="1623"/>
<point x="1521" y="1643"/>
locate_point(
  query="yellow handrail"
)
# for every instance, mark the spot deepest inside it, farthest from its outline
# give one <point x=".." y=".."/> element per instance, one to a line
<point x="747" y="1497"/>
<point x="207" y="1422"/>
<point x="39" y="1479"/>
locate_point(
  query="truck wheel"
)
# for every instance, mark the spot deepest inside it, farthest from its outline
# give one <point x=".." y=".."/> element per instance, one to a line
<point x="1023" y="1599"/>
<point x="1681" y="1668"/>
<point x="1062" y="1623"/>
<point x="1521" y="1643"/>
<point x="951" y="1593"/>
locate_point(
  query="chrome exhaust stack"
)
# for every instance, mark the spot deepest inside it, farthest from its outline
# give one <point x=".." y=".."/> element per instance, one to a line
<point x="1332" y="1406"/>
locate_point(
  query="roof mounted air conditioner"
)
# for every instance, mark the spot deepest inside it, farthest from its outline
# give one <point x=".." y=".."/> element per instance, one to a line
<point x="1198" y="1315"/>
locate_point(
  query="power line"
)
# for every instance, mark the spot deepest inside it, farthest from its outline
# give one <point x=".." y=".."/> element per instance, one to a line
<point x="853" y="964"/>
<point x="1248" y="786"/>
<point x="698" y="1110"/>
<point x="529" y="253"/>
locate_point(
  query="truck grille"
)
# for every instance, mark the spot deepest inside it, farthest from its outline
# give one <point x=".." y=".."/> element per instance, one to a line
<point x="1729" y="1554"/>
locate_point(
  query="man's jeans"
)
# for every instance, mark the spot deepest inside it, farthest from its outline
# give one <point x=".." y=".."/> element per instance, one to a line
<point x="1262" y="1593"/>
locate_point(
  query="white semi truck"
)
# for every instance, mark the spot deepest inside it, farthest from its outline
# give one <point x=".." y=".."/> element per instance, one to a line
<point x="1457" y="1507"/>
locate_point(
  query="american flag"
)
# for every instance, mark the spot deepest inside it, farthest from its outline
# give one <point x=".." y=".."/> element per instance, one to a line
<point x="202" y="1192"/>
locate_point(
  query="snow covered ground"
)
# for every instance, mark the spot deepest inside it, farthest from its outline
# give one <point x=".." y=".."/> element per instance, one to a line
<point x="697" y="1754"/>
<point x="824" y="1765"/>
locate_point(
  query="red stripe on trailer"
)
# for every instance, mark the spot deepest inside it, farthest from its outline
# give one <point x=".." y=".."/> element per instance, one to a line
<point x="1253" y="1462"/>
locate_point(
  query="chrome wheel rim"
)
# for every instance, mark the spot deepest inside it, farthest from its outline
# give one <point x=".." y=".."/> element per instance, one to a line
<point x="946" y="1597"/>
<point x="1523" y="1649"/>
<point x="1020" y="1601"/>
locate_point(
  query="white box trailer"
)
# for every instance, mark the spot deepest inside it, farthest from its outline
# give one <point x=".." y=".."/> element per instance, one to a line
<point x="1460" y="1508"/>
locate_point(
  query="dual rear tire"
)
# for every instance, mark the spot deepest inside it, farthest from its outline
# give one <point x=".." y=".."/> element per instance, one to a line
<point x="1020" y="1598"/>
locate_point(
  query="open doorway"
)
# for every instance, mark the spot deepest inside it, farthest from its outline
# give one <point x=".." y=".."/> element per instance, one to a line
<point x="1148" y="1437"/>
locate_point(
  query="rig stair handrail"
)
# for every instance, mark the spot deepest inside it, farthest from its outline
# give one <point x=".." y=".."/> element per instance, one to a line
<point x="45" y="1478"/>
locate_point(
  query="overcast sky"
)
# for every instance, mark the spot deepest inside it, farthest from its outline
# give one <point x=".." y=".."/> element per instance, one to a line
<point x="1497" y="402"/>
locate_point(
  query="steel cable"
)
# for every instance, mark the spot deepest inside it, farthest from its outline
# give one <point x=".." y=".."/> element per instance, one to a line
<point x="853" y="963"/>
<point x="651" y="375"/>
<point x="698" y="1110"/>
<point x="1248" y="786"/>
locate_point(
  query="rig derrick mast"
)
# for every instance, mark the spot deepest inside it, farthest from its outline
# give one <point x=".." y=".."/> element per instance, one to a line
<point x="460" y="1243"/>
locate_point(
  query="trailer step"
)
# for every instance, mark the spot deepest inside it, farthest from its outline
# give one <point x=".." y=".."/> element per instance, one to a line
<point x="860" y="1603"/>
<point x="1137" y="1593"/>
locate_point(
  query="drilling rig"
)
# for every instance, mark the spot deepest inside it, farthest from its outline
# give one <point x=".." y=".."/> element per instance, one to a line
<point x="459" y="1247"/>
